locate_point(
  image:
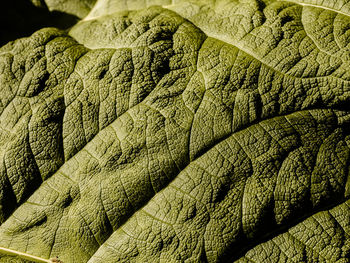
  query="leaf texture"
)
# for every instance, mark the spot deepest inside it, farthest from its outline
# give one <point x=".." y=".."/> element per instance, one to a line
<point x="195" y="131"/>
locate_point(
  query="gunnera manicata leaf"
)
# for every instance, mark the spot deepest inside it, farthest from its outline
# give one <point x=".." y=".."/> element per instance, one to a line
<point x="178" y="131"/>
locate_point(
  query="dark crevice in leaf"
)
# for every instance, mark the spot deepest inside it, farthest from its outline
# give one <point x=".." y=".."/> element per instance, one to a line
<point x="41" y="84"/>
<point x="102" y="73"/>
<point x="35" y="177"/>
<point x="9" y="198"/>
<point x="67" y="201"/>
<point x="203" y="257"/>
<point x="41" y="219"/>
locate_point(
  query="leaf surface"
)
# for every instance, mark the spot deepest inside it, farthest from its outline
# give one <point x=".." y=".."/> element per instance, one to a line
<point x="195" y="131"/>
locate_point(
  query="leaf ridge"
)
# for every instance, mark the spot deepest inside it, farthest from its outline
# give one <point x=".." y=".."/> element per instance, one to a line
<point x="317" y="6"/>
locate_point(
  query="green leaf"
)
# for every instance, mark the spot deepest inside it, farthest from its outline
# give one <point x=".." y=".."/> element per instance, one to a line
<point x="195" y="131"/>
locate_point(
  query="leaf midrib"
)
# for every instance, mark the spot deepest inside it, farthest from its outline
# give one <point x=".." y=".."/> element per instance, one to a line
<point x="248" y="52"/>
<point x="317" y="6"/>
<point x="11" y="252"/>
